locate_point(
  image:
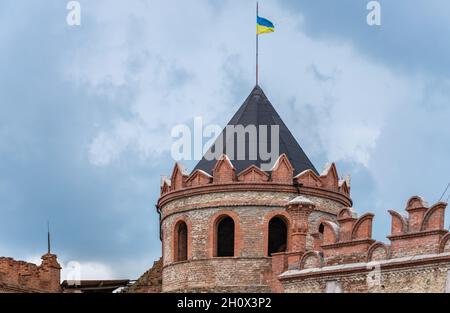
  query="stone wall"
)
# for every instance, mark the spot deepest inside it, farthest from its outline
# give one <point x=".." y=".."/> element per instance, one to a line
<point x="19" y="276"/>
<point x="230" y="198"/>
<point x="423" y="275"/>
<point x="218" y="275"/>
<point x="251" y="198"/>
<point x="251" y="235"/>
<point x="202" y="270"/>
<point x="249" y="231"/>
<point x="348" y="260"/>
<point x="253" y="219"/>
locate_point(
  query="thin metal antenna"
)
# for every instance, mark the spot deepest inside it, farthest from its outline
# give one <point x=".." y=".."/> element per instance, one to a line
<point x="48" y="238"/>
<point x="445" y="191"/>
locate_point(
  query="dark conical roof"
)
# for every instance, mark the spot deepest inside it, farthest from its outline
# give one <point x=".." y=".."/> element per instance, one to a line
<point x="257" y="110"/>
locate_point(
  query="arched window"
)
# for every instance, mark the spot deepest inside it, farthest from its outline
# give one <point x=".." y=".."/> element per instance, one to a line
<point x="181" y="242"/>
<point x="277" y="236"/>
<point x="321" y="229"/>
<point x="225" y="237"/>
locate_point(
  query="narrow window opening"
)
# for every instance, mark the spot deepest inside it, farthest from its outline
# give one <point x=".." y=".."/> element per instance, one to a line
<point x="321" y="229"/>
<point x="181" y="242"/>
<point x="225" y="237"/>
<point x="277" y="236"/>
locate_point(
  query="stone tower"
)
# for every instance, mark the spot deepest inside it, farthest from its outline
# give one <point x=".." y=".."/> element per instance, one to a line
<point x="222" y="224"/>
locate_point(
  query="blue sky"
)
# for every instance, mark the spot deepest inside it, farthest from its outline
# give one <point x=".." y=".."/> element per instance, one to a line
<point x="86" y="112"/>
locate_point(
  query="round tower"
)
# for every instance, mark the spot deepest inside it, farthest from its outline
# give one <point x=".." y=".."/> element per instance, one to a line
<point x="222" y="224"/>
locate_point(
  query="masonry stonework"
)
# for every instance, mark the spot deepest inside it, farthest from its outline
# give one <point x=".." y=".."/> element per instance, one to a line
<point x="24" y="277"/>
<point x="403" y="278"/>
<point x="417" y="259"/>
<point x="252" y="205"/>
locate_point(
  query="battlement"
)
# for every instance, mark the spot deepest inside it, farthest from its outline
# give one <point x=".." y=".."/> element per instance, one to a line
<point x="20" y="276"/>
<point x="421" y="232"/>
<point x="345" y="258"/>
<point x="282" y="173"/>
<point x="349" y="239"/>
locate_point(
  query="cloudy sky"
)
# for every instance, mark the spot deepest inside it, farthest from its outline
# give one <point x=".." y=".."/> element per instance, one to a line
<point x="86" y="112"/>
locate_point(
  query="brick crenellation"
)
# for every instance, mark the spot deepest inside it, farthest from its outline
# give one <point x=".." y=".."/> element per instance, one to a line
<point x="20" y="276"/>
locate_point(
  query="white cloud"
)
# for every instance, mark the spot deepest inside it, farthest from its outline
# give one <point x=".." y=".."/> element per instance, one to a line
<point x="80" y="270"/>
<point x="75" y="270"/>
<point x="107" y="146"/>
<point x="339" y="103"/>
<point x="176" y="72"/>
<point x="104" y="149"/>
<point x="35" y="259"/>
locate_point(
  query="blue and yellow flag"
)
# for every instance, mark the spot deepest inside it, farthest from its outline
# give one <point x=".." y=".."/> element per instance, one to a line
<point x="264" y="26"/>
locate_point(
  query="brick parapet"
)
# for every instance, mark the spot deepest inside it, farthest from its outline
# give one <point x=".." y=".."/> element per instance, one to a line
<point x="20" y="276"/>
<point x="280" y="179"/>
<point x="253" y="187"/>
<point x="424" y="273"/>
<point x="349" y="254"/>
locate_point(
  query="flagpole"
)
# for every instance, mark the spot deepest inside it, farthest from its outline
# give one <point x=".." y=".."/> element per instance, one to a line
<point x="257" y="44"/>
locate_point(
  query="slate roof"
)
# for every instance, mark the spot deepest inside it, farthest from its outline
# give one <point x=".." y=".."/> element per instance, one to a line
<point x="257" y="110"/>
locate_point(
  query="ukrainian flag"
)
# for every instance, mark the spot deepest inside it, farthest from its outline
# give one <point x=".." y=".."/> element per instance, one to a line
<point x="264" y="26"/>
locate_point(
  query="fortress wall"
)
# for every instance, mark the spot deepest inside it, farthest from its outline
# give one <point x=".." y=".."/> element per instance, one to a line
<point x="349" y="260"/>
<point x="20" y="276"/>
<point x="404" y="277"/>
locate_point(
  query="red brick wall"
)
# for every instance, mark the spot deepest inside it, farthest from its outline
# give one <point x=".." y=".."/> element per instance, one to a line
<point x="217" y="275"/>
<point x="19" y="276"/>
<point x="251" y="198"/>
<point x="251" y="240"/>
<point x="417" y="276"/>
<point x="417" y="260"/>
